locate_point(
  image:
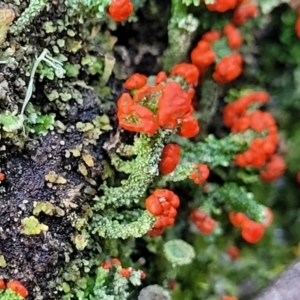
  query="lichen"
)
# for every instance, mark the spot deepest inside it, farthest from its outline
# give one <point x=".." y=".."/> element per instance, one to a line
<point x="178" y="252"/>
<point x="32" y="11"/>
<point x="32" y="226"/>
<point x="7" y="15"/>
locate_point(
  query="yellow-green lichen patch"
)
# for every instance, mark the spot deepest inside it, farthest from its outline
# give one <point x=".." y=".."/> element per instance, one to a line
<point x="32" y="226"/>
<point x="53" y="177"/>
<point x="7" y="15"/>
<point x="2" y="262"/>
<point x="88" y="159"/>
<point x="48" y="208"/>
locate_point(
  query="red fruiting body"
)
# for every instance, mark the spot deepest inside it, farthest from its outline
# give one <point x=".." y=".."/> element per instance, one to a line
<point x="274" y="168"/>
<point x="173" y="104"/>
<point x="233" y="35"/>
<point x="188" y="71"/>
<point x="120" y="10"/>
<point x="2" y="176"/>
<point x="228" y="68"/>
<point x="233" y="252"/>
<point x="252" y="232"/>
<point x="169" y="158"/>
<point x="116" y="261"/>
<point x="124" y="103"/>
<point x="222" y="5"/>
<point x="203" y="221"/>
<point x="155" y="232"/>
<point x="18" y="288"/>
<point x="125" y="272"/>
<point x="297" y="24"/>
<point x="261" y="150"/>
<point x="237" y="219"/>
<point x="148" y="96"/>
<point x="160" y="77"/>
<point x="138" y="118"/>
<point x="2" y="284"/>
<point x="162" y="203"/>
<point x="106" y="265"/>
<point x="198" y="215"/>
<point x="143" y="275"/>
<point x="172" y="284"/>
<point x="189" y="127"/>
<point x="153" y="205"/>
<point x="135" y="81"/>
<point x="298" y="177"/>
<point x="244" y="12"/>
<point x="207" y="226"/>
<point x="211" y="36"/>
<point x="200" y="174"/>
<point x="202" y="56"/>
<point x="229" y="298"/>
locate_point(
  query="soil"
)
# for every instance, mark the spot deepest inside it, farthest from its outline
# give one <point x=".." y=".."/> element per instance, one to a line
<point x="36" y="260"/>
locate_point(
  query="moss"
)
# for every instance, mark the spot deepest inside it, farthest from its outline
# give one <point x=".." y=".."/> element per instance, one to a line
<point x="8" y="294"/>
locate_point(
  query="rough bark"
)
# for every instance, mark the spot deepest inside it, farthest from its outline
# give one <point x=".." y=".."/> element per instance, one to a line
<point x="285" y="287"/>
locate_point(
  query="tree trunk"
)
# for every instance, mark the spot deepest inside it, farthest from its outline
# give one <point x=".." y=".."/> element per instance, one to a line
<point x="285" y="287"/>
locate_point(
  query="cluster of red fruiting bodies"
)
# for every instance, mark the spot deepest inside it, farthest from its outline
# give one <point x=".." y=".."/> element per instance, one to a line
<point x="163" y="203"/>
<point x="120" y="10"/>
<point x="165" y="102"/>
<point x="124" y="272"/>
<point x="240" y="116"/>
<point x="15" y="286"/>
<point x="164" y="105"/>
<point x="203" y="221"/>
<point x="297" y="24"/>
<point x="252" y="231"/>
<point x="233" y="252"/>
<point x="229" y="66"/>
<point x="243" y="9"/>
<point x="229" y="298"/>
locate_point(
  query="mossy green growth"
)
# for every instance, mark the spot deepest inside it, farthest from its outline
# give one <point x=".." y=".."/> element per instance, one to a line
<point x="95" y="64"/>
<point x="109" y="222"/>
<point x="32" y="11"/>
<point x="10" y="121"/>
<point x="8" y="294"/>
<point x="238" y="199"/>
<point x="191" y="2"/>
<point x="36" y="122"/>
<point x="143" y="169"/>
<point x="180" y="31"/>
<point x="84" y="7"/>
<point x="72" y="70"/>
